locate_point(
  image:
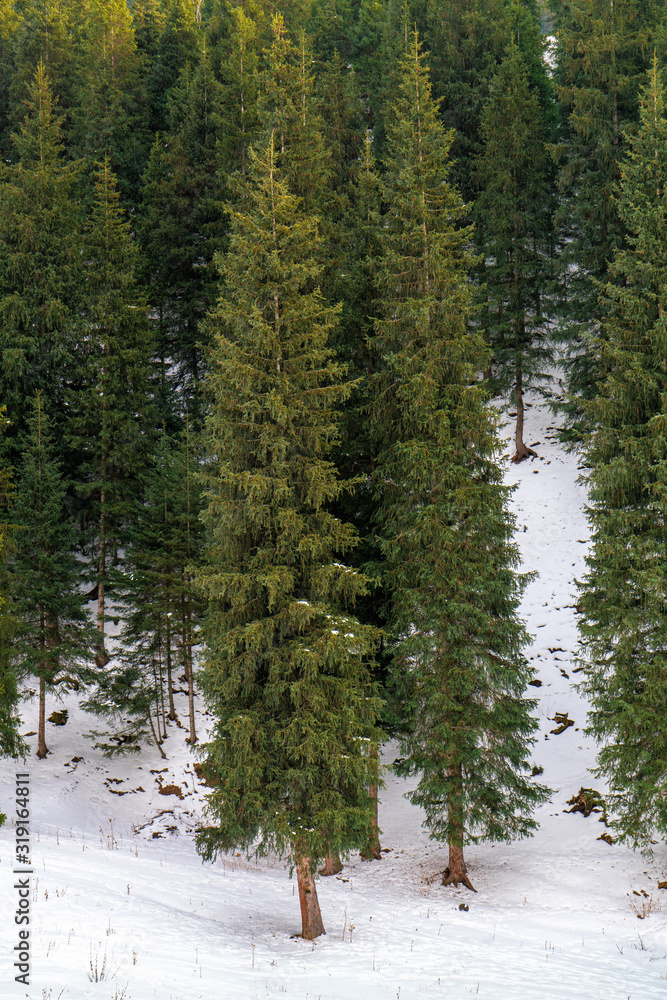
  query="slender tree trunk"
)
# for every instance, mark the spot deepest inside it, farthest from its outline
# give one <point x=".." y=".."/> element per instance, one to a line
<point x="311" y="915"/>
<point x="332" y="864"/>
<point x="187" y="659"/>
<point x="101" y="658"/>
<point x="42" y="749"/>
<point x="156" y="739"/>
<point x="456" y="872"/>
<point x="373" y="852"/>
<point x="170" y="682"/>
<point x="522" y="449"/>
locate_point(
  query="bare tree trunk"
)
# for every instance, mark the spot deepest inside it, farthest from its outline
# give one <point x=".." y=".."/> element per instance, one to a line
<point x="373" y="852"/>
<point x="311" y="915"/>
<point x="170" y="682"/>
<point x="522" y="450"/>
<point x="187" y="659"/>
<point x="156" y="739"/>
<point x="42" y="749"/>
<point x="456" y="872"/>
<point x="101" y="658"/>
<point x="332" y="864"/>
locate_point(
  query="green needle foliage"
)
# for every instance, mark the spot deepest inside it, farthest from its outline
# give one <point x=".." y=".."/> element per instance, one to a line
<point x="514" y="227"/>
<point x="40" y="264"/>
<point x="10" y="739"/>
<point x="286" y="672"/>
<point x="624" y="624"/>
<point x="458" y="667"/>
<point x="54" y="640"/>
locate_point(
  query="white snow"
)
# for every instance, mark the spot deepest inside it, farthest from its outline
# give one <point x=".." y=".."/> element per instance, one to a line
<point x="554" y="918"/>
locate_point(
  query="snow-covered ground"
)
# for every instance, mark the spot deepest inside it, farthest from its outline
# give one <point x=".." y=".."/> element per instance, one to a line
<point x="122" y="908"/>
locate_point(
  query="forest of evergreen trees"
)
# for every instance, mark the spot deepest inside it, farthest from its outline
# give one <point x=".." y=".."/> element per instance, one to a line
<point x="262" y="267"/>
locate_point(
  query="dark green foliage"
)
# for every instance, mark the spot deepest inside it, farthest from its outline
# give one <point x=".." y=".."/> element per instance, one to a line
<point x="40" y="264"/>
<point x="459" y="670"/>
<point x="604" y="51"/>
<point x="54" y="635"/>
<point x="513" y="216"/>
<point x="181" y="228"/>
<point x="624" y="624"/>
<point x="10" y="740"/>
<point x="109" y="415"/>
<point x="286" y="664"/>
<point x="162" y="611"/>
<point x="108" y="117"/>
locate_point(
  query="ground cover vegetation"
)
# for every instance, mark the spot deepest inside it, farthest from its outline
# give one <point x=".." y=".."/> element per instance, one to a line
<point x="261" y="270"/>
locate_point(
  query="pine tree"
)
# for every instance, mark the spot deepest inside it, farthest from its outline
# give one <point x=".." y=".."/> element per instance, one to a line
<point x="285" y="668"/>
<point x="163" y="610"/>
<point x="514" y="225"/>
<point x="109" y="399"/>
<point x="624" y="623"/>
<point x="604" y="51"/>
<point x="458" y="667"/>
<point x="181" y="228"/>
<point x="40" y="264"/>
<point x="10" y="739"/>
<point x="107" y="119"/>
<point x="54" y="639"/>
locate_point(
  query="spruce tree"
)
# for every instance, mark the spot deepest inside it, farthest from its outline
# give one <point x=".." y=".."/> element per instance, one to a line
<point x="163" y="611"/>
<point x="285" y="665"/>
<point x="624" y="623"/>
<point x="10" y="739"/>
<point x="40" y="265"/>
<point x="54" y="640"/>
<point x="604" y="51"/>
<point x="446" y="532"/>
<point x="513" y="216"/>
<point x="109" y="400"/>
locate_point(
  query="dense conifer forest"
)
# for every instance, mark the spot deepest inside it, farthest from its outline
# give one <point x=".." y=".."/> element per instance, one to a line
<point x="262" y="268"/>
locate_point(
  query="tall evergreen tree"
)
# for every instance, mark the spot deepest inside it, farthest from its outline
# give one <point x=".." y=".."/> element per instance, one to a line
<point x="285" y="668"/>
<point x="513" y="216"/>
<point x="107" y="119"/>
<point x="624" y="623"/>
<point x="458" y="667"/>
<point x="109" y="399"/>
<point x="40" y="264"/>
<point x="10" y="739"/>
<point x="163" y="616"/>
<point x="54" y="633"/>
<point x="181" y="228"/>
<point x="604" y="50"/>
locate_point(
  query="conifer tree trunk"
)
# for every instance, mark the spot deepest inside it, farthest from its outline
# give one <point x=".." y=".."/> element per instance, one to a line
<point x="522" y="450"/>
<point x="373" y="851"/>
<point x="42" y="749"/>
<point x="311" y="915"/>
<point x="170" y="682"/>
<point x="456" y="872"/>
<point x="186" y="616"/>
<point x="332" y="864"/>
<point x="101" y="656"/>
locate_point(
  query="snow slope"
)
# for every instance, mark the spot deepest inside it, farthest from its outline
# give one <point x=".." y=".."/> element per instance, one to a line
<point x="123" y="908"/>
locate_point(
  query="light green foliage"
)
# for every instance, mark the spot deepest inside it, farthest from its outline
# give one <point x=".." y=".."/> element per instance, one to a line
<point x="624" y="624"/>
<point x="286" y="671"/>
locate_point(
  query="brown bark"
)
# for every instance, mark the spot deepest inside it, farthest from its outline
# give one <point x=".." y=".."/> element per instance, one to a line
<point x="456" y="872"/>
<point x="187" y="659"/>
<point x="170" y="681"/>
<point x="42" y="749"/>
<point x="101" y="658"/>
<point x="332" y="865"/>
<point x="522" y="449"/>
<point x="311" y="915"/>
<point x="373" y="851"/>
